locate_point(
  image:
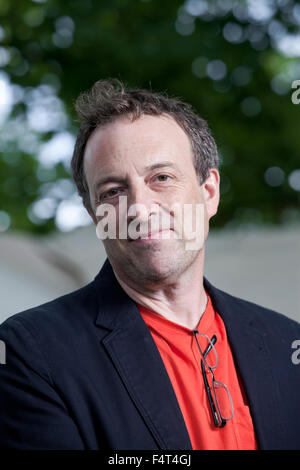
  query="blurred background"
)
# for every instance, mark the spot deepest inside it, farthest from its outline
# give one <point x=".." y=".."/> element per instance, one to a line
<point x="235" y="61"/>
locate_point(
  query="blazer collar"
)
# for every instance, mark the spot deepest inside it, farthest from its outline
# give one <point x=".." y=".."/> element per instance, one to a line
<point x="139" y="363"/>
<point x="248" y="336"/>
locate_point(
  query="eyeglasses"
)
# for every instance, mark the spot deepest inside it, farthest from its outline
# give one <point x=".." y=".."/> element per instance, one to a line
<point x="220" y="400"/>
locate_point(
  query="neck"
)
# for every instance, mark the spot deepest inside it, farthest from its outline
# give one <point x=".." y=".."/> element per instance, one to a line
<point x="182" y="301"/>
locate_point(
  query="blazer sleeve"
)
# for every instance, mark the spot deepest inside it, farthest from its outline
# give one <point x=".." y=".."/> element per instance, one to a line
<point x="32" y="414"/>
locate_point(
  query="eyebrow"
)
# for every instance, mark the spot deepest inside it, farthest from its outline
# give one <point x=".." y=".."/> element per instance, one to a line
<point x="108" y="179"/>
<point x="160" y="165"/>
<point x="117" y="179"/>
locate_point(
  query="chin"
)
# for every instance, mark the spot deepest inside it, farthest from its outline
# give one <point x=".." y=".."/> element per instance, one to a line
<point x="156" y="275"/>
<point x="158" y="269"/>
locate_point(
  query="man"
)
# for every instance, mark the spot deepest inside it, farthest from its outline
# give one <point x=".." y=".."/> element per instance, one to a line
<point x="149" y="355"/>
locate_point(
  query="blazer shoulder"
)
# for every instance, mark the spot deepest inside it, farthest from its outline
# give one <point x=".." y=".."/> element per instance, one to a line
<point x="262" y="315"/>
<point x="250" y="313"/>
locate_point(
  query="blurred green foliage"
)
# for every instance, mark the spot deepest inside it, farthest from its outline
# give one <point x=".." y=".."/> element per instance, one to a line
<point x="213" y="54"/>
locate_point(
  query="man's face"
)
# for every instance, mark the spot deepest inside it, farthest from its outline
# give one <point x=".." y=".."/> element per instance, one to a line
<point x="150" y="162"/>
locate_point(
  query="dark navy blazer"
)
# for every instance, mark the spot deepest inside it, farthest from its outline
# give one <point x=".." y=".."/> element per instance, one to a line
<point x="83" y="372"/>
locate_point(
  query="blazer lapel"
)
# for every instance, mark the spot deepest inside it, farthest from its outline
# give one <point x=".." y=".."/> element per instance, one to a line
<point x="248" y="339"/>
<point x="137" y="359"/>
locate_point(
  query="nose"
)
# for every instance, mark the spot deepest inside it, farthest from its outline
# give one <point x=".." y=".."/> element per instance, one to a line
<point x="142" y="202"/>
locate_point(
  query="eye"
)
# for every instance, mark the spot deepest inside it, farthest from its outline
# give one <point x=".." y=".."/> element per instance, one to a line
<point x="111" y="193"/>
<point x="162" y="177"/>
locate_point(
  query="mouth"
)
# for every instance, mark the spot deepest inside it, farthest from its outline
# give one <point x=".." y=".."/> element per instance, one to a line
<point x="147" y="237"/>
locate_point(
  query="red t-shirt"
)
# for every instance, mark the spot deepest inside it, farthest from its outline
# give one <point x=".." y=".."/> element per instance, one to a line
<point x="182" y="359"/>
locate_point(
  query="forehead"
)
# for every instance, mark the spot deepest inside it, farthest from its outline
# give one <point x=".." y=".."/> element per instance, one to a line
<point x="149" y="137"/>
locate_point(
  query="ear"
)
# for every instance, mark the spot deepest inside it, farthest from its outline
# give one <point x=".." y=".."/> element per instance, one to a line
<point x="211" y="191"/>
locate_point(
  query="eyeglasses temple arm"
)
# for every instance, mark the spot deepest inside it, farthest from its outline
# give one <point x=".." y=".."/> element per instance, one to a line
<point x="210" y="398"/>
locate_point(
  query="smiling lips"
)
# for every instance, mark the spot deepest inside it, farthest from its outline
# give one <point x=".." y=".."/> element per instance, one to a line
<point x="148" y="236"/>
